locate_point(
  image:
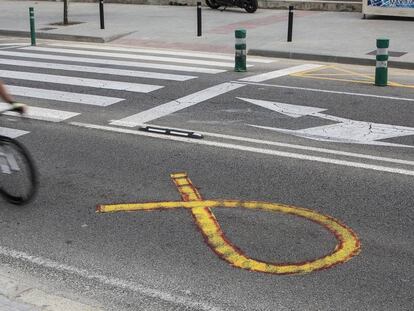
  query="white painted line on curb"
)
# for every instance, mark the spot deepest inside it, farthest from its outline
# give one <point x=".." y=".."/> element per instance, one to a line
<point x="12" y="133"/>
<point x="164" y="52"/>
<point x="176" y="105"/>
<point x="78" y="98"/>
<point x="280" y="73"/>
<point x="99" y="70"/>
<point x="272" y="152"/>
<point x="133" y="56"/>
<point x="67" y="80"/>
<point x="185" y="302"/>
<point x="328" y="91"/>
<point x="112" y="62"/>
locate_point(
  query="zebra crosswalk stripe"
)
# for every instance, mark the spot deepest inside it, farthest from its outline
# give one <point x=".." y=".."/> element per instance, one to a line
<point x="132" y="56"/>
<point x="100" y="70"/>
<point x="70" y="97"/>
<point x="163" y="52"/>
<point x="112" y="62"/>
<point x="12" y="133"/>
<point x="105" y="84"/>
<point x="44" y="114"/>
<point x="176" y="105"/>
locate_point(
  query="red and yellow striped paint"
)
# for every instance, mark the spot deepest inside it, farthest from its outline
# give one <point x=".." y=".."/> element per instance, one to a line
<point x="347" y="247"/>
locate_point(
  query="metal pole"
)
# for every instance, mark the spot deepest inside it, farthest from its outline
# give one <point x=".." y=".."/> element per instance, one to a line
<point x="198" y="19"/>
<point x="32" y="26"/>
<point x="65" y="12"/>
<point x="290" y="24"/>
<point x="240" y="46"/>
<point x="381" y="70"/>
<point x="101" y="13"/>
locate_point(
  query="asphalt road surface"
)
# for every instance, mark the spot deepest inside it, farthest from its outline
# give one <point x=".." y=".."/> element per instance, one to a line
<point x="331" y="151"/>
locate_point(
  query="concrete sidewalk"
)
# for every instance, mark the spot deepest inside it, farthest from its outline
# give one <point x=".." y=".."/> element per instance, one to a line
<point x="28" y="295"/>
<point x="9" y="305"/>
<point x="321" y="36"/>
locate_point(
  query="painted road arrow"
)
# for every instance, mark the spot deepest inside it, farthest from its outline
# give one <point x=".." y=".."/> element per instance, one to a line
<point x="344" y="131"/>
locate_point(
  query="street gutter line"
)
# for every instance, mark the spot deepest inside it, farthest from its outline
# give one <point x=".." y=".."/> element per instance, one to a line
<point x="250" y="149"/>
<point x="115" y="282"/>
<point x="325" y="91"/>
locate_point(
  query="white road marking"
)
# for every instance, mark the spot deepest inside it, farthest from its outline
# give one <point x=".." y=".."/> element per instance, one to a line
<point x="176" y="105"/>
<point x="78" y="98"/>
<point x="7" y="47"/>
<point x="301" y="147"/>
<point x="112" y="62"/>
<point x="100" y="70"/>
<point x="67" y="80"/>
<point x="330" y="91"/>
<point x="165" y="52"/>
<point x="280" y="73"/>
<point x="14" y="44"/>
<point x="272" y="152"/>
<point x="195" y="98"/>
<point x="293" y="111"/>
<point x="133" y="56"/>
<point x="345" y="131"/>
<point x="12" y="133"/>
<point x="44" y="114"/>
<point x="185" y="302"/>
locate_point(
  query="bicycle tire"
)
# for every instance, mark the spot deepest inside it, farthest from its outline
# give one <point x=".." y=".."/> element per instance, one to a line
<point x="18" y="174"/>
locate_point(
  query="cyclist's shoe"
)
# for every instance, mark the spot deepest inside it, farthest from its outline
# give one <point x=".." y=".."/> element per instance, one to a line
<point x="18" y="107"/>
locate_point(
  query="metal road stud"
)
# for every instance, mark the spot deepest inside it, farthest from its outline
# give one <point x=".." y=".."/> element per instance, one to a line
<point x="240" y="57"/>
<point x="381" y="70"/>
<point x="32" y="26"/>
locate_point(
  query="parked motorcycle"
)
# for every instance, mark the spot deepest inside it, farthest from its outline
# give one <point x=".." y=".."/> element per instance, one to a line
<point x="249" y="5"/>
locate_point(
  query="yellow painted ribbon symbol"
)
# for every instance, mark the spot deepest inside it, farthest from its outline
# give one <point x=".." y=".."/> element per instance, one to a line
<point x="347" y="247"/>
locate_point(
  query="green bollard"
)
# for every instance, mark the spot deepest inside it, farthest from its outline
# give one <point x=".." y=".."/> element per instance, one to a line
<point x="32" y="26"/>
<point x="381" y="70"/>
<point x="240" y="58"/>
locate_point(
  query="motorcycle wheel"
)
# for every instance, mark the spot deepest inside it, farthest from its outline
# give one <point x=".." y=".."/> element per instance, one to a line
<point x="250" y="6"/>
<point x="212" y="4"/>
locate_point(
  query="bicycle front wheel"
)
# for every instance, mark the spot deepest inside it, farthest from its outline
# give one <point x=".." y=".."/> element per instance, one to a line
<point x="18" y="177"/>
